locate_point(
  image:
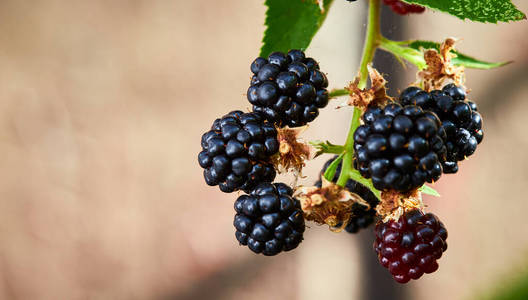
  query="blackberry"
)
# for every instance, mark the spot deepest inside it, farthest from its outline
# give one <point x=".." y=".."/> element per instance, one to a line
<point x="402" y="8"/>
<point x="410" y="246"/>
<point x="399" y="147"/>
<point x="361" y="216"/>
<point x="236" y="152"/>
<point x="460" y="120"/>
<point x="287" y="88"/>
<point x="269" y="220"/>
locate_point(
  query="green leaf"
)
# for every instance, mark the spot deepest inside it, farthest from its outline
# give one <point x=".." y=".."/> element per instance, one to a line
<point x="491" y="11"/>
<point x="291" y="24"/>
<point x="460" y="59"/>
<point x="327" y="147"/>
<point x="425" y="189"/>
<point x="332" y="168"/>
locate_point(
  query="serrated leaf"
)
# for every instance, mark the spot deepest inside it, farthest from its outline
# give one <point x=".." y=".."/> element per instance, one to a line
<point x="491" y="11"/>
<point x="425" y="189"/>
<point x="291" y="24"/>
<point x="460" y="59"/>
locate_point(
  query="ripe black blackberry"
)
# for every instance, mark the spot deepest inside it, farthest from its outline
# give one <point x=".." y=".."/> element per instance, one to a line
<point x="460" y="120"/>
<point x="410" y="246"/>
<point x="236" y="151"/>
<point x="402" y="8"/>
<point x="400" y="148"/>
<point x="288" y="88"/>
<point x="269" y="220"/>
<point x="361" y="216"/>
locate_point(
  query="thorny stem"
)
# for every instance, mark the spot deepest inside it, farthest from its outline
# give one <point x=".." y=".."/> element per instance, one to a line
<point x="372" y="41"/>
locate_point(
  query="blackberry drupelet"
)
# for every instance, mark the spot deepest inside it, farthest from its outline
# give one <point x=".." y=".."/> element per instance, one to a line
<point x="410" y="246"/>
<point x="460" y="119"/>
<point x="236" y="152"/>
<point x="399" y="147"/>
<point x="402" y="8"/>
<point x="361" y="216"/>
<point x="288" y="88"/>
<point x="269" y="220"/>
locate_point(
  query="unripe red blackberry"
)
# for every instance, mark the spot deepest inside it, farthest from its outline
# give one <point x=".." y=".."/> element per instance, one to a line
<point x="403" y="8"/>
<point x="410" y="246"/>
<point x="269" y="220"/>
<point x="399" y="147"/>
<point x="361" y="216"/>
<point x="236" y="152"/>
<point x="460" y="120"/>
<point x="288" y="89"/>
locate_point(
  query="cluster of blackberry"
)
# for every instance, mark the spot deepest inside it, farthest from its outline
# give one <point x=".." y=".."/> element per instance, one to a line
<point x="407" y="143"/>
<point x="404" y="144"/>
<point x="400" y="146"/>
<point x="286" y="90"/>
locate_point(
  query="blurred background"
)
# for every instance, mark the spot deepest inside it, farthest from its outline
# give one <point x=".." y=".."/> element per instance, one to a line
<point x="102" y="106"/>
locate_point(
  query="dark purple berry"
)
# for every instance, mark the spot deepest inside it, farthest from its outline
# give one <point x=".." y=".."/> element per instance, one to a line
<point x="410" y="246"/>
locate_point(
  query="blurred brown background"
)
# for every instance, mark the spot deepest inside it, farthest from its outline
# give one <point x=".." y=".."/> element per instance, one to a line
<point x="102" y="105"/>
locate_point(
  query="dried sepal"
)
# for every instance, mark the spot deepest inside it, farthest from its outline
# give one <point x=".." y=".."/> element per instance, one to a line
<point x="330" y="204"/>
<point x="394" y="204"/>
<point x="292" y="151"/>
<point x="375" y="95"/>
<point x="440" y="71"/>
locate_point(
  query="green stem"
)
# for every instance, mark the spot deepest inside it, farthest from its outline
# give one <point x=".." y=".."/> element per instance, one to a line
<point x="349" y="149"/>
<point x="338" y="92"/>
<point x="411" y="55"/>
<point x="372" y="41"/>
<point x="335" y="149"/>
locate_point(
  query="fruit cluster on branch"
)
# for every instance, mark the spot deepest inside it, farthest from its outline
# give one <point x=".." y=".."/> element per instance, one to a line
<point x="394" y="146"/>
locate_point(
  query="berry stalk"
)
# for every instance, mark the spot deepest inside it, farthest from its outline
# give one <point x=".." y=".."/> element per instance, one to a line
<point x="338" y="92"/>
<point x="413" y="56"/>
